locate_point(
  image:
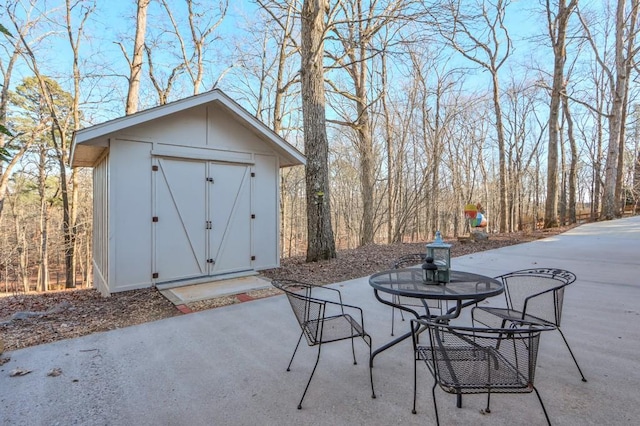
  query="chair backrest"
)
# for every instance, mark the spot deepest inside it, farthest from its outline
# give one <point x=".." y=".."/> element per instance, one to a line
<point x="409" y="260"/>
<point x="537" y="292"/>
<point x="478" y="360"/>
<point x="309" y="311"/>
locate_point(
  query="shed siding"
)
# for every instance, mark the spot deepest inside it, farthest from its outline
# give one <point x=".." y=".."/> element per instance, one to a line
<point x="182" y="128"/>
<point x="225" y="132"/>
<point x="101" y="225"/>
<point x="265" y="206"/>
<point x="130" y="215"/>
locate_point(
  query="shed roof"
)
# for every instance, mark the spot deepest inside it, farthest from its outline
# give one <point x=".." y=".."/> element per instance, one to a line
<point x="91" y="142"/>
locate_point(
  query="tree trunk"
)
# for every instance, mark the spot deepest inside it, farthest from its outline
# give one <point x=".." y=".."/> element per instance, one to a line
<point x="43" y="252"/>
<point x="136" y="59"/>
<point x="502" y="185"/>
<point x="365" y="150"/>
<point x="625" y="26"/>
<point x="573" y="165"/>
<point x="320" y="239"/>
<point x="558" y="32"/>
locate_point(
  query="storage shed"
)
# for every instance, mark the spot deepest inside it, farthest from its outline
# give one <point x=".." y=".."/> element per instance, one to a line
<point x="183" y="193"/>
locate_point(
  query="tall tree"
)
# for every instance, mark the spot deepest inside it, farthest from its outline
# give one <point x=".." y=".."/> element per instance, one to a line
<point x="626" y="29"/>
<point x="70" y="204"/>
<point x="557" y="26"/>
<point x="321" y="243"/>
<point x="135" y="64"/>
<point x="60" y="106"/>
<point x="40" y="123"/>
<point x="202" y="25"/>
<point x="360" y="22"/>
<point x="478" y="32"/>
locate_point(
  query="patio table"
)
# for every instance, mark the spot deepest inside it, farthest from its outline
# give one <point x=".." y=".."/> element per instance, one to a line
<point x="464" y="289"/>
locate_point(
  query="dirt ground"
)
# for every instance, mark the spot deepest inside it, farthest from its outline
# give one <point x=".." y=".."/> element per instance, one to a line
<point x="36" y="318"/>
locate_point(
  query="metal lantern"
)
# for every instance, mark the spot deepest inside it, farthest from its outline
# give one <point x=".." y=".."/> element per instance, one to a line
<point x="429" y="271"/>
<point x="441" y="254"/>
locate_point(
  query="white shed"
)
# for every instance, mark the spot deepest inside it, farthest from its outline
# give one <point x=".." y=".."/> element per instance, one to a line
<point x="183" y="193"/>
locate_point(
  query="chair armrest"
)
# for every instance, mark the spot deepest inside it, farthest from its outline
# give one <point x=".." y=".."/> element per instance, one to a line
<point x="333" y="295"/>
<point x="507" y="318"/>
<point x="356" y="310"/>
<point x="315" y="291"/>
<point x="493" y="317"/>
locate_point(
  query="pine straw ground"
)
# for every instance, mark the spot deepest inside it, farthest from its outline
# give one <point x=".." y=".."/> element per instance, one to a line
<point x="36" y="318"/>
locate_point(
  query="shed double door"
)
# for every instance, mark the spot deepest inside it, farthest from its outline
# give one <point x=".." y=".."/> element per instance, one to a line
<point x="203" y="219"/>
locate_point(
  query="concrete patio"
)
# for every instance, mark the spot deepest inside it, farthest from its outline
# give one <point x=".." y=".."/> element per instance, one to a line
<point x="226" y="366"/>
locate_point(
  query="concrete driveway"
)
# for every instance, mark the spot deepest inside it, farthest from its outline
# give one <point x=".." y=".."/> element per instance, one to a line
<point x="226" y="366"/>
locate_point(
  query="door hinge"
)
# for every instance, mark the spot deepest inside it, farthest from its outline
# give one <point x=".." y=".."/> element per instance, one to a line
<point x="155" y="275"/>
<point x="253" y="258"/>
<point x="253" y="216"/>
<point x="211" y="261"/>
<point x="210" y="179"/>
<point x="253" y="174"/>
<point x="154" y="168"/>
<point x="208" y="225"/>
<point x="154" y="219"/>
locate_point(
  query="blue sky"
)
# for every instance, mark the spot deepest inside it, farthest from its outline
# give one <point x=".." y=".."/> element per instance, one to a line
<point x="113" y="22"/>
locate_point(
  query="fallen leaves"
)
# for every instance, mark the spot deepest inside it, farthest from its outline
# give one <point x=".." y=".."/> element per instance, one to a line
<point x="79" y="312"/>
<point x="16" y="372"/>
<point x="54" y="372"/>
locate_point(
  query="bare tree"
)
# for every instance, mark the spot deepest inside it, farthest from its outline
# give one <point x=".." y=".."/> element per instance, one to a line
<point x="356" y="25"/>
<point x="61" y="107"/>
<point x="557" y="26"/>
<point x="276" y="98"/>
<point x="70" y="204"/>
<point x="478" y="32"/>
<point x="163" y="89"/>
<point x="321" y="243"/>
<point x="135" y="64"/>
<point x="202" y="24"/>
<point x="625" y="51"/>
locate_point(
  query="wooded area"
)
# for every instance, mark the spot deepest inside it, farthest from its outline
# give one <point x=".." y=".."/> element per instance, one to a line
<point x="407" y="110"/>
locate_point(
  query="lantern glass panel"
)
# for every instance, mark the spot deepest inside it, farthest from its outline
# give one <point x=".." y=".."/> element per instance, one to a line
<point x="441" y="254"/>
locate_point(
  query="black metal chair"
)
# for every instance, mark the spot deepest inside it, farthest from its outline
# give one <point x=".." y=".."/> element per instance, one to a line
<point x="406" y="261"/>
<point x="534" y="295"/>
<point x="472" y="360"/>
<point x="323" y="320"/>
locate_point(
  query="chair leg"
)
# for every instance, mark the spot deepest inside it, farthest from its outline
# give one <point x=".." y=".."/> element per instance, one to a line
<point x="353" y="351"/>
<point x="310" y="377"/>
<point x="393" y="319"/>
<point x="572" y="356"/>
<point x="370" y="343"/>
<point x="294" y="351"/>
<point x="415" y="383"/>
<point x="435" y="405"/>
<point x="488" y="409"/>
<point x="542" y="405"/>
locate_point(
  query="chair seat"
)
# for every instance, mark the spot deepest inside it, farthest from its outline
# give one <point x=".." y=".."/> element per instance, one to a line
<point x="474" y="370"/>
<point x="335" y="328"/>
